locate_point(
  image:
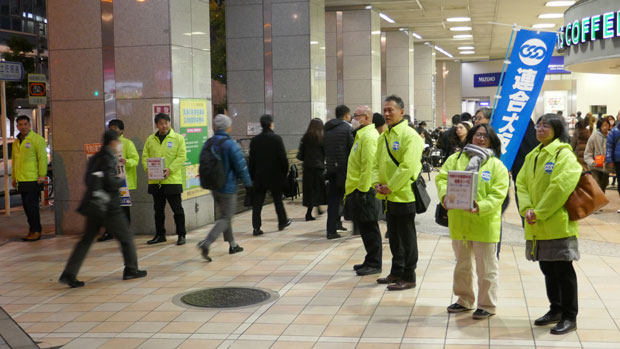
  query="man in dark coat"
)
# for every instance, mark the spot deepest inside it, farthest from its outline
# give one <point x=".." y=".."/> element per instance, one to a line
<point x="268" y="169"/>
<point x="338" y="140"/>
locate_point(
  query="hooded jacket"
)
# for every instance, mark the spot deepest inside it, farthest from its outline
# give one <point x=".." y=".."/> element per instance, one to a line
<point x="595" y="147"/>
<point x="233" y="162"/>
<point x="548" y="177"/>
<point x="338" y="140"/>
<point x="613" y="146"/>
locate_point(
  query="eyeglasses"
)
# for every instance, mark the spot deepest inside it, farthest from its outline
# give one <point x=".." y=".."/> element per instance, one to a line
<point x="481" y="135"/>
<point x="542" y="126"/>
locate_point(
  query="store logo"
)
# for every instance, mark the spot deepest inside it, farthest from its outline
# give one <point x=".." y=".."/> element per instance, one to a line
<point x="532" y="52"/>
<point x="549" y="167"/>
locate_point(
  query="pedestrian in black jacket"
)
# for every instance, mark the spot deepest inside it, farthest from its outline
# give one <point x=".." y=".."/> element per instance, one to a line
<point x="338" y="142"/>
<point x="268" y="169"/>
<point x="312" y="153"/>
<point x="102" y="207"/>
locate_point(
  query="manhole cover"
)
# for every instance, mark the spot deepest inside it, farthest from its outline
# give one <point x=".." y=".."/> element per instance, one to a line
<point x="228" y="297"/>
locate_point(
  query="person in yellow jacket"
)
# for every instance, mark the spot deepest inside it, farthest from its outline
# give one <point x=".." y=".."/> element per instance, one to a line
<point x="475" y="233"/>
<point x="360" y="193"/>
<point x="29" y="169"/>
<point x="548" y="177"/>
<point x="167" y="144"/>
<point x="398" y="164"/>
<point x="130" y="159"/>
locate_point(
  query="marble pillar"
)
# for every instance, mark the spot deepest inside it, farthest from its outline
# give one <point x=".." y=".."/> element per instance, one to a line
<point x="448" y="91"/>
<point x="115" y="60"/>
<point x="275" y="61"/>
<point x="353" y="57"/>
<point x="397" y="67"/>
<point x="424" y="82"/>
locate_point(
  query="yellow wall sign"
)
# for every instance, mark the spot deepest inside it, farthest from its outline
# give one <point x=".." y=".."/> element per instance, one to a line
<point x="193" y="112"/>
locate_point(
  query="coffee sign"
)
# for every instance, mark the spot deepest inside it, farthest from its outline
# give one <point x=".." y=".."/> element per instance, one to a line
<point x="597" y="27"/>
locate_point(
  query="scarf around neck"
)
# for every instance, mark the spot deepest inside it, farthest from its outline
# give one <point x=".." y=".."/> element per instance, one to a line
<point x="477" y="156"/>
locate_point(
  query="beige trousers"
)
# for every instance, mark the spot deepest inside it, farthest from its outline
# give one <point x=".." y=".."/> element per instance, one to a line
<point x="487" y="270"/>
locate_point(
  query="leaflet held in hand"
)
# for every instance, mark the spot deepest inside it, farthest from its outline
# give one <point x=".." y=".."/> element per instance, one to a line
<point x="155" y="168"/>
<point x="462" y="190"/>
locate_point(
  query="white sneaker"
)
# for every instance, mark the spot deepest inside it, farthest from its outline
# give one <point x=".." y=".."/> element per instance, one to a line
<point x="618" y="211"/>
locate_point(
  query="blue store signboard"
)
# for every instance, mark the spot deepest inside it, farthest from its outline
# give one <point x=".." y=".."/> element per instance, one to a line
<point x="487" y="80"/>
<point x="556" y="66"/>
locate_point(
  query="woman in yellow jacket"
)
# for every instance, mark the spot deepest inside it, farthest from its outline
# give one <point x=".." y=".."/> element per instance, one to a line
<point x="548" y="177"/>
<point x="475" y="233"/>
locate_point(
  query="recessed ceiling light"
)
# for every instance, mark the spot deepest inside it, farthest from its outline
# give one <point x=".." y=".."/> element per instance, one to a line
<point x="368" y="7"/>
<point x="559" y="3"/>
<point x="417" y="36"/>
<point x="462" y="36"/>
<point x="458" y="19"/>
<point x="385" y="17"/>
<point x="460" y="29"/>
<point x="468" y="52"/>
<point x="551" y="15"/>
<point x="466" y="47"/>
<point x="543" y="25"/>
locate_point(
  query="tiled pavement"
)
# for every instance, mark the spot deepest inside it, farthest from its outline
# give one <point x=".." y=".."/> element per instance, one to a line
<point x="322" y="303"/>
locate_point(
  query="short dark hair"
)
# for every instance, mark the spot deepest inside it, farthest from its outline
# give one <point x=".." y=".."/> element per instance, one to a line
<point x="265" y="121"/>
<point x="465" y="116"/>
<point x="456" y="118"/>
<point x="494" y="142"/>
<point x="486" y="112"/>
<point x="118" y="123"/>
<point x="558" y="124"/>
<point x="600" y="123"/>
<point x="378" y="119"/>
<point x="394" y="98"/>
<point x="22" y="117"/>
<point x="341" y="111"/>
<point x="162" y="116"/>
<point x="422" y="123"/>
<point x="109" y="136"/>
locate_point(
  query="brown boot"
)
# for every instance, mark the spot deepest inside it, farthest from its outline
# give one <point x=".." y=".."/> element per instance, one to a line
<point x="32" y="236"/>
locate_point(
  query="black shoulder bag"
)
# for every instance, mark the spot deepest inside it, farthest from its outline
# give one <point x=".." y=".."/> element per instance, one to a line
<point x="422" y="199"/>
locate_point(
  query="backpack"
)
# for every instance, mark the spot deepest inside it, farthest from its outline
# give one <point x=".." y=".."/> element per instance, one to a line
<point x="291" y="187"/>
<point x="211" y="170"/>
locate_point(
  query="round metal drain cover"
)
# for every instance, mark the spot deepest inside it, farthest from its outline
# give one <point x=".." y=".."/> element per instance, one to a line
<point x="228" y="297"/>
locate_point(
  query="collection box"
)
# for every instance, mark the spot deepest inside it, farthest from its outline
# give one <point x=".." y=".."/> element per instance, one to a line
<point x="462" y="190"/>
<point x="155" y="168"/>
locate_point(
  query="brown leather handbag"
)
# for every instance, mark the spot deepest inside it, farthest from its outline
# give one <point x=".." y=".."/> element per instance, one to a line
<point x="586" y="199"/>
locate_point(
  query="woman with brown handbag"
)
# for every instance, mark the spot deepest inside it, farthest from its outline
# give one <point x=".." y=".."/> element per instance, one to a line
<point x="548" y="177"/>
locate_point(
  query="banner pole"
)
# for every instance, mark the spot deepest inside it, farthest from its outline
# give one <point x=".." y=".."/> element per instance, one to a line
<point x="501" y="78"/>
<point x="5" y="149"/>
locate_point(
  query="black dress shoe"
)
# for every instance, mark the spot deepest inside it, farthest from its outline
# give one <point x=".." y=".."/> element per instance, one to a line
<point x="480" y="314"/>
<point x="70" y="280"/>
<point x="549" y="318"/>
<point x="401" y="285"/>
<point x="333" y="236"/>
<point x="358" y="266"/>
<point x="457" y="308"/>
<point x="368" y="271"/>
<point x="181" y="241"/>
<point x="341" y="227"/>
<point x="310" y="218"/>
<point x="282" y="226"/>
<point x="128" y="275"/>
<point x="105" y="237"/>
<point x="564" y="326"/>
<point x="257" y="232"/>
<point x="233" y="250"/>
<point x="390" y="279"/>
<point x="157" y="239"/>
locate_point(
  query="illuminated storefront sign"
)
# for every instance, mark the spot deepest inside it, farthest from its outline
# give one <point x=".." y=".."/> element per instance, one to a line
<point x="605" y="26"/>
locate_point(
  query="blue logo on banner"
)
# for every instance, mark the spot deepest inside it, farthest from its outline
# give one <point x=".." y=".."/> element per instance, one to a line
<point x="521" y="86"/>
<point x="486" y="80"/>
<point x="549" y="167"/>
<point x="486" y="175"/>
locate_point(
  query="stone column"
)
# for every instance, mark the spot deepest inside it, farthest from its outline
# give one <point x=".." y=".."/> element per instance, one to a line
<point x="354" y="55"/>
<point x="275" y="60"/>
<point x="424" y="82"/>
<point x="448" y="91"/>
<point x="397" y="67"/>
<point x="115" y="60"/>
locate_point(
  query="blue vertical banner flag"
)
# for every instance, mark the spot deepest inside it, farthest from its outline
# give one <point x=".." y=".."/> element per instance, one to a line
<point x="521" y="86"/>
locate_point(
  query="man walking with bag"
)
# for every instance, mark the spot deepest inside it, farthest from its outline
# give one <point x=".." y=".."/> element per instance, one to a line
<point x="360" y="195"/>
<point x="397" y="166"/>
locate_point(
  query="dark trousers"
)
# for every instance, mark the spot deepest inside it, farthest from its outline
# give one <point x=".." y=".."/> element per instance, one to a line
<point x="371" y="237"/>
<point x="403" y="244"/>
<point x="561" y="283"/>
<point x="31" y="195"/>
<point x="116" y="223"/>
<point x="257" y="206"/>
<point x="335" y="194"/>
<point x="159" y="204"/>
<point x="127" y="211"/>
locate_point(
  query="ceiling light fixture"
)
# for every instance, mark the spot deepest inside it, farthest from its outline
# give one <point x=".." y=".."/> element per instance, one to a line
<point x="417" y="36"/>
<point x="386" y="18"/>
<point x="466" y="47"/>
<point x="460" y="29"/>
<point x="543" y="25"/>
<point x="559" y="3"/>
<point x="458" y="19"/>
<point x="468" y="52"/>
<point x="463" y="36"/>
<point x="551" y="15"/>
<point x="444" y="51"/>
<point x="368" y="7"/>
